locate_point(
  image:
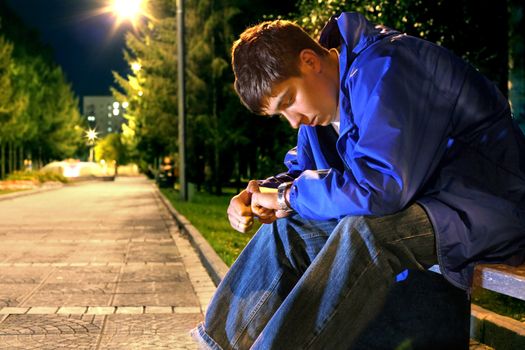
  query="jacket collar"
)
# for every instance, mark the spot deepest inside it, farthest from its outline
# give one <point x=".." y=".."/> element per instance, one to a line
<point x="354" y="31"/>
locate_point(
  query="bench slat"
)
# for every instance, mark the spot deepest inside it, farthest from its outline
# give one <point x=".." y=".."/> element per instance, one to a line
<point x="504" y="279"/>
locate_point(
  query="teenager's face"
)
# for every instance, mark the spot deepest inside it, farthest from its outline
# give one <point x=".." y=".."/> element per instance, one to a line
<point x="310" y="99"/>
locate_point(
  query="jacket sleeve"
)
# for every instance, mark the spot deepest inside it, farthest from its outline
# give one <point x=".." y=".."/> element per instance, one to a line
<point x="401" y="108"/>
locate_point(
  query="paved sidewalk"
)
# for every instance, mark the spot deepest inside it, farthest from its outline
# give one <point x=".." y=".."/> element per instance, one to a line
<point x="97" y="266"/>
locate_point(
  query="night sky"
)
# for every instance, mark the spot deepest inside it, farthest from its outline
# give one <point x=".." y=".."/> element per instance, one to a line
<point x="86" y="45"/>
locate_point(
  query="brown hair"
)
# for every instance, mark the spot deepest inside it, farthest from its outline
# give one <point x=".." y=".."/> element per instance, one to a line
<point x="265" y="55"/>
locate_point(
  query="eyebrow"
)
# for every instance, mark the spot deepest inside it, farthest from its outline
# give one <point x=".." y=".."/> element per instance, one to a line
<point x="281" y="97"/>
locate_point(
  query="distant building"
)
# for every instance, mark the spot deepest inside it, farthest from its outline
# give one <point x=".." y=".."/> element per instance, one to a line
<point x="104" y="114"/>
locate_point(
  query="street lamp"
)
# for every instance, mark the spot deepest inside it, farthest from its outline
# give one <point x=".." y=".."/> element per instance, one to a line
<point x="127" y="10"/>
<point x="91" y="135"/>
<point x="132" y="10"/>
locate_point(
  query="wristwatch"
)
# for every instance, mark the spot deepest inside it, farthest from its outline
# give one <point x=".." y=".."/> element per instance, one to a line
<point x="281" y="196"/>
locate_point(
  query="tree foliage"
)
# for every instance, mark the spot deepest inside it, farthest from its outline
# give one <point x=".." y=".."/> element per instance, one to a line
<point x="39" y="114"/>
<point x="474" y="29"/>
<point x="224" y="141"/>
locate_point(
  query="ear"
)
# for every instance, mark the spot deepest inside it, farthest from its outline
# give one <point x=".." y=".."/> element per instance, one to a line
<point x="309" y="61"/>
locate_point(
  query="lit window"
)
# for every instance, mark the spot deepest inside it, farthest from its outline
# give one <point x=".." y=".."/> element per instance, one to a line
<point x="110" y="129"/>
<point x="116" y="105"/>
<point x="116" y="112"/>
<point x="125" y="104"/>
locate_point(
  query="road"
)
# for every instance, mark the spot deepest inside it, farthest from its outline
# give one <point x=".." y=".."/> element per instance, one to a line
<point x="99" y="265"/>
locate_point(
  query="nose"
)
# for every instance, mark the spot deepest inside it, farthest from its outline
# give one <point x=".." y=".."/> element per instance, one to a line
<point x="295" y="119"/>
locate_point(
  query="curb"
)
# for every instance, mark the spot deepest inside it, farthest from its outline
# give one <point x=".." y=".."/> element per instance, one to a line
<point x="37" y="190"/>
<point x="210" y="260"/>
<point x="497" y="331"/>
<point x="24" y="193"/>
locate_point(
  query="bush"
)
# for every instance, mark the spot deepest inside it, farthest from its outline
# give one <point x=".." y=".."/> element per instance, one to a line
<point x="36" y="176"/>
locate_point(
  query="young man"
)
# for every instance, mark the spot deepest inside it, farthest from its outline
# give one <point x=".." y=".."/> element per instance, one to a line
<point x="406" y="157"/>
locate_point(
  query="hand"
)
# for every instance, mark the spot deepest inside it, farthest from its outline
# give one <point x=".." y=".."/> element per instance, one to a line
<point x="265" y="215"/>
<point x="268" y="202"/>
<point x="240" y="213"/>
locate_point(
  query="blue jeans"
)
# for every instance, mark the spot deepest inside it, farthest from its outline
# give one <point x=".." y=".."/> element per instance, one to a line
<point x="304" y="284"/>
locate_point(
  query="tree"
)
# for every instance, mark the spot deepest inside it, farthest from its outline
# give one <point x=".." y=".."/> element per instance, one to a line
<point x="150" y="89"/>
<point x="461" y="26"/>
<point x="39" y="115"/>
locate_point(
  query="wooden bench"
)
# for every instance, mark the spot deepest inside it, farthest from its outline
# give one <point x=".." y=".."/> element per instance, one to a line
<point x="489" y="328"/>
<point x="503" y="279"/>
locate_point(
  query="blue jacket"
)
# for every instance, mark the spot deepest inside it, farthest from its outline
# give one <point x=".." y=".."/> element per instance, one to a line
<point x="418" y="124"/>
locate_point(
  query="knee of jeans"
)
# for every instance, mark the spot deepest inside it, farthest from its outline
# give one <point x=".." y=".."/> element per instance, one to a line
<point x="300" y="239"/>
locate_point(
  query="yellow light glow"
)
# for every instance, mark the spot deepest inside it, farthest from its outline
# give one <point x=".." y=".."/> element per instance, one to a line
<point x="91" y="135"/>
<point x="135" y="66"/>
<point x="127" y="9"/>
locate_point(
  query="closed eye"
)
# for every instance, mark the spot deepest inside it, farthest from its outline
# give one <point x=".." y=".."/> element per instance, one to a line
<point x="288" y="102"/>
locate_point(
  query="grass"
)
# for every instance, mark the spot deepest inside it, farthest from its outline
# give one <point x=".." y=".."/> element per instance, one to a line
<point x="40" y="176"/>
<point x="499" y="303"/>
<point x="10" y="191"/>
<point x="208" y="214"/>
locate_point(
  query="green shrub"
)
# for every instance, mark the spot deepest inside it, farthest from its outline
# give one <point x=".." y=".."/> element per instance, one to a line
<point x="37" y="176"/>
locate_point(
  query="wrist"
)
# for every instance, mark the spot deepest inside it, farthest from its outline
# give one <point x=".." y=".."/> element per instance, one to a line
<point x="283" y="196"/>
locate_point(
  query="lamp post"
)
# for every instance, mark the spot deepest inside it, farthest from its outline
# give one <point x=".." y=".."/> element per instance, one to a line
<point x="131" y="10"/>
<point x="181" y="67"/>
<point x="91" y="135"/>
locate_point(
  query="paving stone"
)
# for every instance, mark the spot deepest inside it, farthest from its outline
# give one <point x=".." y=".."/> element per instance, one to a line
<point x="71" y="310"/>
<point x="12" y="294"/>
<point x="100" y="310"/>
<point x="26" y="275"/>
<point x="69" y="300"/>
<point x="120" y="324"/>
<point x="154" y="274"/>
<point x="49" y="341"/>
<point x="84" y="248"/>
<point x="159" y="310"/>
<point x="186" y="310"/>
<point x="42" y="310"/>
<point x="87" y="274"/>
<point x="151" y="287"/>
<point x="13" y="310"/>
<point x="187" y="298"/>
<point x="77" y="288"/>
<point x="45" y="324"/>
<point x="130" y="310"/>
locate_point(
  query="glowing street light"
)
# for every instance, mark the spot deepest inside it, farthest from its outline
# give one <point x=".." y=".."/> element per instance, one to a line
<point x="127" y="10"/>
<point x="91" y="135"/>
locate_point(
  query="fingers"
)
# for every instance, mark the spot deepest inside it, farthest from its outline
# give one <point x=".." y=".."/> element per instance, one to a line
<point x="252" y="203"/>
<point x="282" y="214"/>
<point x="253" y="186"/>
<point x="265" y="200"/>
<point x="242" y="226"/>
<point x="268" y="219"/>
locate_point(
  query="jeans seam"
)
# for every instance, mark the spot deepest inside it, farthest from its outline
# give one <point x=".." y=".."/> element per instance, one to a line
<point x="206" y="339"/>
<point x="256" y="309"/>
<point x="411" y="237"/>
<point x="336" y="309"/>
